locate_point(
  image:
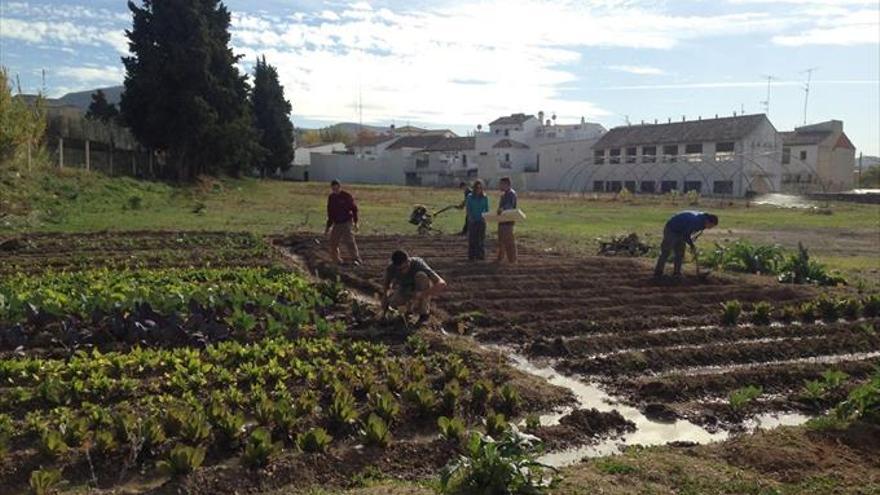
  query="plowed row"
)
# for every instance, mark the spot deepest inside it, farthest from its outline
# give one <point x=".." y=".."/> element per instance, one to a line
<point x="651" y="341"/>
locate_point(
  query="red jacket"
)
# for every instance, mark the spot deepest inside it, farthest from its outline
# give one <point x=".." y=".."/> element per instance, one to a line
<point x="341" y="208"/>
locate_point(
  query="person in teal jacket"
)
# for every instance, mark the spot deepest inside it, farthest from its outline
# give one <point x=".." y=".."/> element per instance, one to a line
<point x="476" y="204"/>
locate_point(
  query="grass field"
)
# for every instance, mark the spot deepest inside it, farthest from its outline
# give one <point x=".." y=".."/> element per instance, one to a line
<point x="845" y="236"/>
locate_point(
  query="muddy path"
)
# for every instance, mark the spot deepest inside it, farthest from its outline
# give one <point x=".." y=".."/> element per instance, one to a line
<point x="652" y="343"/>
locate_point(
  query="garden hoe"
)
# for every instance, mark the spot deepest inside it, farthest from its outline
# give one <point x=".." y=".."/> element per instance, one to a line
<point x="702" y="276"/>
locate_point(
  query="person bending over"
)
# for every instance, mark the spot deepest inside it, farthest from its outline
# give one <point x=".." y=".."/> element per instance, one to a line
<point x="414" y="283"/>
<point x="682" y="229"/>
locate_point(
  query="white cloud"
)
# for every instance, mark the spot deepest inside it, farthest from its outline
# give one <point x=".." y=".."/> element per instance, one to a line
<point x="63" y="33"/>
<point x="641" y="70"/>
<point x="741" y="84"/>
<point x="93" y="75"/>
<point x="843" y="28"/>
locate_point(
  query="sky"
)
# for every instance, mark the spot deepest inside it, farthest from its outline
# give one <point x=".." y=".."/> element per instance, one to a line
<point x="459" y="64"/>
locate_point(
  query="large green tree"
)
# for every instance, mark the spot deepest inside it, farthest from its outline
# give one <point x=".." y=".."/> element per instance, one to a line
<point x="101" y="109"/>
<point x="183" y="93"/>
<point x="272" y="117"/>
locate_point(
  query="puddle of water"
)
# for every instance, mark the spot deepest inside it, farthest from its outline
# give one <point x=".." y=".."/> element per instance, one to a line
<point x="783" y="201"/>
<point x="591" y="396"/>
<point x="715" y="369"/>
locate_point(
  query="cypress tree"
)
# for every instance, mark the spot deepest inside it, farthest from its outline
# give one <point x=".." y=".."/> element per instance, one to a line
<point x="183" y="93"/>
<point x="101" y="109"/>
<point x="272" y="118"/>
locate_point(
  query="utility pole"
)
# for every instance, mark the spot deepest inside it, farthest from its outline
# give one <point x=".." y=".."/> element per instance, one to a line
<point x="807" y="90"/>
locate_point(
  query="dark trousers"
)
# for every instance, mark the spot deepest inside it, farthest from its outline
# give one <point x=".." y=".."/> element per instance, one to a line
<point x="477" y="240"/>
<point x="464" y="230"/>
<point x="672" y="244"/>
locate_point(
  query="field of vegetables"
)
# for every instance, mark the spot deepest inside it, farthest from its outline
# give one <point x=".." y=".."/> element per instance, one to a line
<point x="128" y="360"/>
<point x="715" y="352"/>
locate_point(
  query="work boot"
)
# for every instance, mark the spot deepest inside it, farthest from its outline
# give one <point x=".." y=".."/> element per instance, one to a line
<point x="422" y="320"/>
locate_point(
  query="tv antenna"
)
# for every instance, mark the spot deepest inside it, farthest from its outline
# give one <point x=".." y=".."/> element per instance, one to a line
<point x="766" y="102"/>
<point x="807" y="90"/>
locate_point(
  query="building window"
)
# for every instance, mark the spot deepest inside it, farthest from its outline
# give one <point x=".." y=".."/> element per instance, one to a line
<point x="631" y="155"/>
<point x="649" y="154"/>
<point x="483" y="153"/>
<point x="803" y="155"/>
<point x="723" y="152"/>
<point x="614" y="156"/>
<point x="507" y="157"/>
<point x="694" y="152"/>
<point x="497" y="131"/>
<point x="670" y="152"/>
<point x="507" y="132"/>
<point x="692" y="185"/>
<point x="614" y="186"/>
<point x="599" y="157"/>
<point x="464" y="160"/>
<point x="598" y="186"/>
<point x="647" y="187"/>
<point x="668" y="185"/>
<point x="786" y="155"/>
<point x="630" y="185"/>
<point x="422" y="162"/>
<point x="722" y="187"/>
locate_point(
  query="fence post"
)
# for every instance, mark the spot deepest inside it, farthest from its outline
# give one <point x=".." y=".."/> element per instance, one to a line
<point x="60" y="152"/>
<point x="88" y="155"/>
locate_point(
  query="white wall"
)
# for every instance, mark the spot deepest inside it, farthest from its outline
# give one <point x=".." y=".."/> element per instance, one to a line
<point x="350" y="169"/>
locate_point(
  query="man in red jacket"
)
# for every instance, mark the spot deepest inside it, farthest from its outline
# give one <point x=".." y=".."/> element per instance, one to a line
<point x="342" y="222"/>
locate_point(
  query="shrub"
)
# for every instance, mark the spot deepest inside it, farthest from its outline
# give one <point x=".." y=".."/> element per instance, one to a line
<point x="450" y="396"/>
<point x="788" y="313"/>
<point x="259" y="449"/>
<point x="851" y="308"/>
<point x="181" y="461"/>
<point x="376" y="432"/>
<point x="230" y="428"/>
<point x="452" y="429"/>
<point x="740" y="398"/>
<point x="730" y="312"/>
<point x="807" y="312"/>
<point x="871" y="306"/>
<point x="44" y="481"/>
<point x="506" y="466"/>
<point x="480" y="394"/>
<point x="105" y="442"/>
<point x="814" y="391"/>
<point x="828" y="309"/>
<point x="508" y="399"/>
<point x="863" y="402"/>
<point x="800" y="269"/>
<point x="744" y="257"/>
<point x="385" y="406"/>
<point x="52" y="444"/>
<point x="342" y="409"/>
<point x="761" y="313"/>
<point x="496" y="424"/>
<point x="422" y="398"/>
<point x="314" y="441"/>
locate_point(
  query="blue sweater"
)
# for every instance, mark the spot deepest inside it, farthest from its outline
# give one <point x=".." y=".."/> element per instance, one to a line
<point x="686" y="224"/>
<point x="476" y="206"/>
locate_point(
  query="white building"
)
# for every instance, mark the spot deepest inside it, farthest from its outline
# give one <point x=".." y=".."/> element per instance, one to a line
<point x="302" y="159"/>
<point x="730" y="156"/>
<point x="817" y="158"/>
<point x="444" y="162"/>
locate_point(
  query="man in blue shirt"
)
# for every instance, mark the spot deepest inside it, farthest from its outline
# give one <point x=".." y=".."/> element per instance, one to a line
<point x="680" y="230"/>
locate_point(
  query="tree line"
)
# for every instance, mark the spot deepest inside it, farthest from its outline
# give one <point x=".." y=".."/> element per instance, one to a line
<point x="185" y="97"/>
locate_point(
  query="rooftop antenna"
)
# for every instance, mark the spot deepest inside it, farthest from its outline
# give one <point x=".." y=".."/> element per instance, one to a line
<point x="626" y="119"/>
<point x="43" y="73"/>
<point x="766" y="102"/>
<point x="807" y="90"/>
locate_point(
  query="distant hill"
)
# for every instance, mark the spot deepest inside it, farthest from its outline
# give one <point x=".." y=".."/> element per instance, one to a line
<point x="82" y="99"/>
<point x="353" y="128"/>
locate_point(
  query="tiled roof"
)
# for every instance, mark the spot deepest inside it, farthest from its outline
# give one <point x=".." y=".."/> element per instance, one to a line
<point x="721" y="129"/>
<point x="415" y="142"/>
<point x="844" y="142"/>
<point x="517" y="118"/>
<point x="453" y="144"/>
<point x="796" y="138"/>
<point x="371" y="140"/>
<point x="510" y="143"/>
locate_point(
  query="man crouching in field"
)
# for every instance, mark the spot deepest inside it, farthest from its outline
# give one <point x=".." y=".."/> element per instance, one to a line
<point x="680" y="230"/>
<point x="414" y="284"/>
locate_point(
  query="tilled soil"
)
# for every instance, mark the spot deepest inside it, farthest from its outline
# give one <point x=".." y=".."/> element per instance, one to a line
<point x="649" y="341"/>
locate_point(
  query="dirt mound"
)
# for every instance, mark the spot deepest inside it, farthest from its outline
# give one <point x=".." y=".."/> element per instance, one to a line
<point x="583" y="425"/>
